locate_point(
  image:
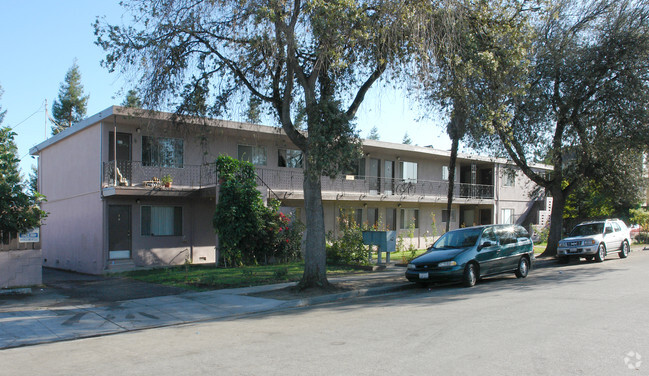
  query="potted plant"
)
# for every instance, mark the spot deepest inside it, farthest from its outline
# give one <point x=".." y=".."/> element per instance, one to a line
<point x="167" y="180"/>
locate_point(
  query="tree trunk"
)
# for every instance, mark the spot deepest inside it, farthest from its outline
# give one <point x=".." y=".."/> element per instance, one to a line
<point x="451" y="181"/>
<point x="315" y="260"/>
<point x="556" y="222"/>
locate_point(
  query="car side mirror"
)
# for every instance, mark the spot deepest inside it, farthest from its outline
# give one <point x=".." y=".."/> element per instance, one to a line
<point x="486" y="243"/>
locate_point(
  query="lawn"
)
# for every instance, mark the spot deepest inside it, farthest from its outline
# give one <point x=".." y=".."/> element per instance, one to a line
<point x="205" y="277"/>
<point x="539" y="248"/>
<point x="401" y="257"/>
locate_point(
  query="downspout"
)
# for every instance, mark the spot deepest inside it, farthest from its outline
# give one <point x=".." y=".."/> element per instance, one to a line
<point x="497" y="190"/>
<point x="115" y="150"/>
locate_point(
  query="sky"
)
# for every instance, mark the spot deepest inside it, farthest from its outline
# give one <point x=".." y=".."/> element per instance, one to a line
<point x="40" y="40"/>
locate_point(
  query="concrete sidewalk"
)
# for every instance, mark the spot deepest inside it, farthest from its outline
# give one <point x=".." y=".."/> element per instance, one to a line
<point x="35" y="326"/>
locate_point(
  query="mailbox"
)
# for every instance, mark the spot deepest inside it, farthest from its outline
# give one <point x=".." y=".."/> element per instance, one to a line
<point x="386" y="241"/>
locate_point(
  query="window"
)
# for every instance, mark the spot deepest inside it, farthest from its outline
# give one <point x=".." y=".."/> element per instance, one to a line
<point x="253" y="154"/>
<point x="509" y="178"/>
<point x="521" y="232"/>
<point x="373" y="217"/>
<point x="508" y="216"/>
<point x="162" y="152"/>
<point x="445" y="215"/>
<point x="506" y="235"/>
<point x="357" y="170"/>
<point x="349" y="216"/>
<point x="289" y="158"/>
<point x="616" y="227"/>
<point x="444" y="172"/>
<point x="409" y="217"/>
<point x="409" y="171"/>
<point x="490" y="236"/>
<point x="390" y="219"/>
<point x="162" y="220"/>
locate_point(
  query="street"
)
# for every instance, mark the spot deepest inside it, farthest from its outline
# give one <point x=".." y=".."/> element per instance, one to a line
<point x="584" y="318"/>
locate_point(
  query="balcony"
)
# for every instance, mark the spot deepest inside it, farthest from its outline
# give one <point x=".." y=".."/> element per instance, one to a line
<point x="135" y="175"/>
<point x="286" y="183"/>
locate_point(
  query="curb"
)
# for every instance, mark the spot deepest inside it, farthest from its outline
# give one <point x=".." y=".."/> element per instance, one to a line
<point x="371" y="291"/>
<point x="16" y="291"/>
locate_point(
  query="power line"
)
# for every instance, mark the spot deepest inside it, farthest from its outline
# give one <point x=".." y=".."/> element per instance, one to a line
<point x="40" y="109"/>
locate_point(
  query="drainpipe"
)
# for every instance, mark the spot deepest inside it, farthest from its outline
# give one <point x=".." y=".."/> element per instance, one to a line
<point x="115" y="150"/>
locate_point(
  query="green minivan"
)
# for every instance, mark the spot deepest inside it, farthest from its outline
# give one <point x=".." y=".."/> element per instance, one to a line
<point x="470" y="253"/>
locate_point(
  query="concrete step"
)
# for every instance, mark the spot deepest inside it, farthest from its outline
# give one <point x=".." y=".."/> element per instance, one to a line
<point x="118" y="266"/>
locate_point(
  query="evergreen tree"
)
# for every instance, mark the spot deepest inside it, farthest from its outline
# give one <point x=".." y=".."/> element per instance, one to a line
<point x="70" y="107"/>
<point x="406" y="139"/>
<point x="132" y="100"/>
<point x="374" y="134"/>
<point x="253" y="115"/>
<point x="18" y="209"/>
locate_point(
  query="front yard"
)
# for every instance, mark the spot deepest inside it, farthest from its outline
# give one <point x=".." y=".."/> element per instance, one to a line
<point x="203" y="277"/>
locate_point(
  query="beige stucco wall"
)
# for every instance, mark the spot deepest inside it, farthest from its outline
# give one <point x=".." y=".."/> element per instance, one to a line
<point x="69" y="177"/>
<point x="20" y="268"/>
<point x="196" y="243"/>
<point x="517" y="197"/>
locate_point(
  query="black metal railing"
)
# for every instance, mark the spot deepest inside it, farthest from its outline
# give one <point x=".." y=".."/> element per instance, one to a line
<point x="292" y="181"/>
<point x="135" y="174"/>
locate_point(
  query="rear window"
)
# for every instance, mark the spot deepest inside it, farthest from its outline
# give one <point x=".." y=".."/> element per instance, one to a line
<point x="521" y="232"/>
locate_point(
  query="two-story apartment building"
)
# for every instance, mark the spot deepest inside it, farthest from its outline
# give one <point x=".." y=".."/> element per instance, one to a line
<point x="108" y="209"/>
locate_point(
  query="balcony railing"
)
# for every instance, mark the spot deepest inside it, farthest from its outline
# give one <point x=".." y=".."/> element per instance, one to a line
<point x="292" y="180"/>
<point x="135" y="174"/>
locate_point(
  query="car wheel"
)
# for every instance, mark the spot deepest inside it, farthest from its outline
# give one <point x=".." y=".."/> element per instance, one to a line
<point x="563" y="259"/>
<point x="601" y="253"/>
<point x="523" y="268"/>
<point x="470" y="275"/>
<point x="625" y="250"/>
<point x="589" y="258"/>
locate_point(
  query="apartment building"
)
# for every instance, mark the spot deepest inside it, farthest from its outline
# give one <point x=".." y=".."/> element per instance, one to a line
<point x="109" y="209"/>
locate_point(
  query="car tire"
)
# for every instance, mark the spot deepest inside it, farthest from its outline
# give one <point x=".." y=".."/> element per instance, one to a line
<point x="601" y="253"/>
<point x="563" y="259"/>
<point x="624" y="252"/>
<point x="470" y="275"/>
<point x="523" y="268"/>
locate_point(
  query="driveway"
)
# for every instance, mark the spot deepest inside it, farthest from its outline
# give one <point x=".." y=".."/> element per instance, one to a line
<point x="61" y="289"/>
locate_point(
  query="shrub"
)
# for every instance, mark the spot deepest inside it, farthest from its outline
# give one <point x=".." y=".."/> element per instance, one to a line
<point x="642" y="238"/>
<point x="349" y="247"/>
<point x="249" y="232"/>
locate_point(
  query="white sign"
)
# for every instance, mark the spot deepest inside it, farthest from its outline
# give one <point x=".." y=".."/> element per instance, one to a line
<point x="32" y="236"/>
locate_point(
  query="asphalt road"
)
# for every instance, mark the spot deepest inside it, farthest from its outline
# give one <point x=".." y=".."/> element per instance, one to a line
<point x="579" y="319"/>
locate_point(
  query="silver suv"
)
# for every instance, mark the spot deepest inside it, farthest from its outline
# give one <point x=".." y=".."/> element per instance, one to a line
<point x="595" y="239"/>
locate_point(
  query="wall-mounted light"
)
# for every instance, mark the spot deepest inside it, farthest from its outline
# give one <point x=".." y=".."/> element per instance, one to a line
<point x="137" y="200"/>
<point x="365" y="205"/>
<point x="398" y="158"/>
<point x="138" y="130"/>
<point x="398" y="205"/>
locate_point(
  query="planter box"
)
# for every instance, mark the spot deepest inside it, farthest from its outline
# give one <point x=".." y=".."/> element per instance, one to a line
<point x="21" y="268"/>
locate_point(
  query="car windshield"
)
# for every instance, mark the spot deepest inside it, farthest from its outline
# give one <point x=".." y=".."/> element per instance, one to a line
<point x="589" y="229"/>
<point x="462" y="238"/>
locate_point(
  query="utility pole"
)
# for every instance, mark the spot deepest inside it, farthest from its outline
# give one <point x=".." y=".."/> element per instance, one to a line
<point x="46" y="119"/>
